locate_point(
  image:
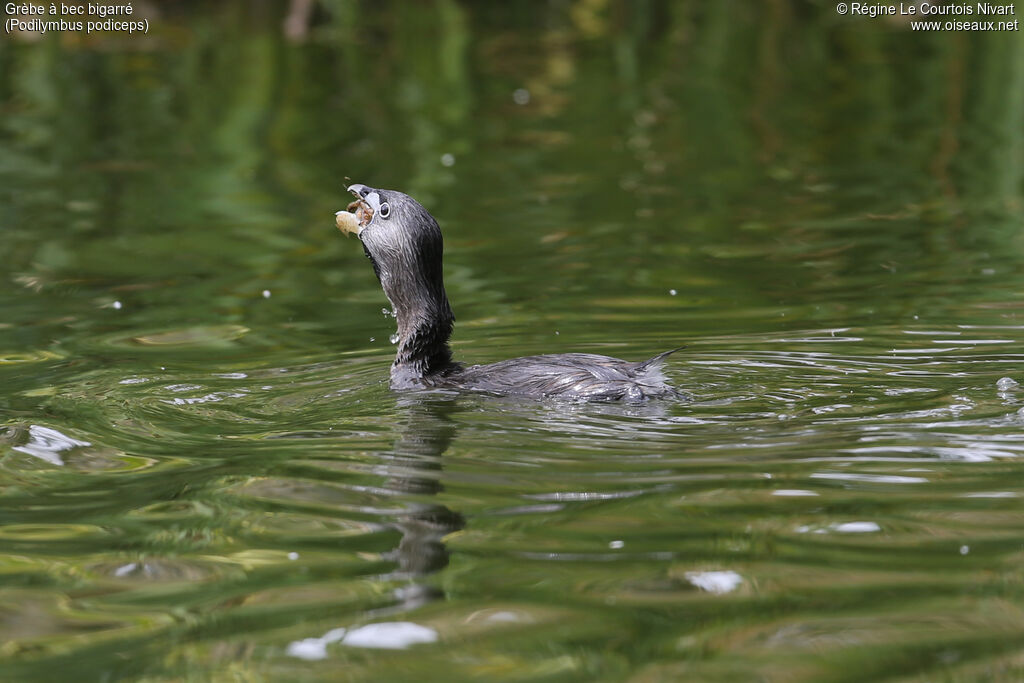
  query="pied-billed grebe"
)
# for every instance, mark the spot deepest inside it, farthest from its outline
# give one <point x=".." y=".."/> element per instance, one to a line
<point x="403" y="242"/>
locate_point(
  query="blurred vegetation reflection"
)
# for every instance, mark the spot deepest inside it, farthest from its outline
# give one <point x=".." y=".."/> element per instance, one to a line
<point x="191" y="357"/>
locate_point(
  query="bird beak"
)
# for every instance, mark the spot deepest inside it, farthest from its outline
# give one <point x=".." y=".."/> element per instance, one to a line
<point x="366" y="194"/>
<point x="360" y="212"/>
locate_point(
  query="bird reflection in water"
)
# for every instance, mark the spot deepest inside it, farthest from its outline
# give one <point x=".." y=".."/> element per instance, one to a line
<point x="424" y="433"/>
<point x="413" y="469"/>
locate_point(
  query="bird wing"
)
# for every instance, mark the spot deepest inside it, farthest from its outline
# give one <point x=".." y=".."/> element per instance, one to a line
<point x="576" y="375"/>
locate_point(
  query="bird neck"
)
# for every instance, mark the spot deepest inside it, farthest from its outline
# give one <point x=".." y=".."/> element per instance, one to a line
<point x="424" y="327"/>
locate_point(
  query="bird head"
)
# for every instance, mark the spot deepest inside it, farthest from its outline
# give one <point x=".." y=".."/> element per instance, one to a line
<point x="404" y="243"/>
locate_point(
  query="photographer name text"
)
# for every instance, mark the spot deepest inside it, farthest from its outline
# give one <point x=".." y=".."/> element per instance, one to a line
<point x="936" y="16"/>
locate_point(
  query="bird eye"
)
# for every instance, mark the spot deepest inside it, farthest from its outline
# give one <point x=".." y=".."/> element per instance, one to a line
<point x="385" y="210"/>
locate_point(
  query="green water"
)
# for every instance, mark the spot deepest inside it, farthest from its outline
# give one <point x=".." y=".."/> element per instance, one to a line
<point x="203" y="474"/>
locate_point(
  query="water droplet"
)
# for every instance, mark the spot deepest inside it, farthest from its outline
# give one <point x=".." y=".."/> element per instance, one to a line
<point x="293" y="555"/>
<point x="373" y="339"/>
<point x="266" y="293"/>
<point x="394" y="338"/>
<point x="447" y="159"/>
<point x="388" y="313"/>
<point x="964" y="549"/>
<point x="616" y="544"/>
<point x="116" y="305"/>
<point x="1006" y="384"/>
<point x="521" y="96"/>
<point x="672" y="292"/>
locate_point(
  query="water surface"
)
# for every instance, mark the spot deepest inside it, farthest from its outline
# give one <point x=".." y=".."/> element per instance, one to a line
<point x="203" y="474"/>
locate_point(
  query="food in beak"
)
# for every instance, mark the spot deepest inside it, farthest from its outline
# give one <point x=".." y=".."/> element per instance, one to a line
<point x="347" y="222"/>
<point x="355" y="217"/>
<point x="363" y="211"/>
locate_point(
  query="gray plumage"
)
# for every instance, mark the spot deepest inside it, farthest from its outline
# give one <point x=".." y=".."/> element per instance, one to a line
<point x="404" y="243"/>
